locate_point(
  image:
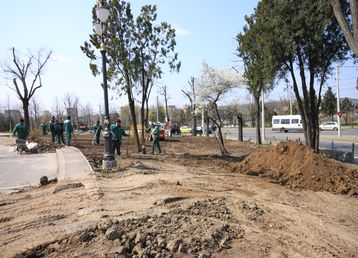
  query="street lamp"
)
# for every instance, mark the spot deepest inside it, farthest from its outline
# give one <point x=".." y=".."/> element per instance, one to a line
<point x="108" y="159"/>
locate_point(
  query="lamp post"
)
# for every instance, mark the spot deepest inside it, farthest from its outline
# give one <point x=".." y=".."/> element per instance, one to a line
<point x="108" y="159"/>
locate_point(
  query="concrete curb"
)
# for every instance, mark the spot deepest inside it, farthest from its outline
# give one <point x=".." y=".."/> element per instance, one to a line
<point x="72" y="164"/>
<point x="74" y="167"/>
<point x="60" y="160"/>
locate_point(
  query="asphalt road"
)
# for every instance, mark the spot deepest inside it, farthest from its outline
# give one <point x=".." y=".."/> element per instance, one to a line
<point x="327" y="138"/>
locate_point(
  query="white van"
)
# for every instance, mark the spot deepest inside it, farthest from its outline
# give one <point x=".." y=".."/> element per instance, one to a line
<point x="286" y="123"/>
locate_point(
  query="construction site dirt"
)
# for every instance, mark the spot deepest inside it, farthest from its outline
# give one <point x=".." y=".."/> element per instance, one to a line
<point x="261" y="201"/>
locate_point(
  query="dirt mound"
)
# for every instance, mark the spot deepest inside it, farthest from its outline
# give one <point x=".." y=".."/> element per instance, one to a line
<point x="46" y="145"/>
<point x="299" y="167"/>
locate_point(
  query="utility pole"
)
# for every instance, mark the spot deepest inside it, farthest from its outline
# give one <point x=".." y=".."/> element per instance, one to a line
<point x="338" y="106"/>
<point x="263" y="117"/>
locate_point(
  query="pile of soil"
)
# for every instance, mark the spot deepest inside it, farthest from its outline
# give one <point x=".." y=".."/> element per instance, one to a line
<point x="299" y="167"/>
<point x="204" y="228"/>
<point x="45" y="145"/>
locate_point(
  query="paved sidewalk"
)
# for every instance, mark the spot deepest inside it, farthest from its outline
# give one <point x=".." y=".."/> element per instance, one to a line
<point x="17" y="171"/>
<point x="72" y="164"/>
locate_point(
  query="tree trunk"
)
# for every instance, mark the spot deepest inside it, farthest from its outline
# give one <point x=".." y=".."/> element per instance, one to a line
<point x="142" y="114"/>
<point x="25" y="106"/>
<point x="350" y="36"/>
<point x="207" y="125"/>
<point x="219" y="138"/>
<point x="309" y="125"/>
<point x="221" y="142"/>
<point x="257" y="119"/>
<point x="317" y="133"/>
<point x="146" y="112"/>
<point x="194" y="123"/>
<point x="134" y="118"/>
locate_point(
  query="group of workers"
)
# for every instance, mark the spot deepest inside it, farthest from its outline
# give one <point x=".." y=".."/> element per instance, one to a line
<point x="118" y="132"/>
<point x="58" y="128"/>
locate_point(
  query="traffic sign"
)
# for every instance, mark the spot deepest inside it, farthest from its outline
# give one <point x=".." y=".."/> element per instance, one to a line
<point x="340" y="114"/>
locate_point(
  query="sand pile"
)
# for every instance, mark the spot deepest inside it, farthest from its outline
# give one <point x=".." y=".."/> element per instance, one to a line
<point x="299" y="167"/>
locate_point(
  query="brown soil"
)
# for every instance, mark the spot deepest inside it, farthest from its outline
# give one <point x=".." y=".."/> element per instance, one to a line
<point x="187" y="202"/>
<point x="45" y="145"/>
<point x="299" y="167"/>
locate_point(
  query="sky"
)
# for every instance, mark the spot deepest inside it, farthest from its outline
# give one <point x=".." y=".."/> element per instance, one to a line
<point x="205" y="29"/>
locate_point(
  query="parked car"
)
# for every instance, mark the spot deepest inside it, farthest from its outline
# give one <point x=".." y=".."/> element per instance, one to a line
<point x="329" y="126"/>
<point x="185" y="129"/>
<point x="199" y="129"/>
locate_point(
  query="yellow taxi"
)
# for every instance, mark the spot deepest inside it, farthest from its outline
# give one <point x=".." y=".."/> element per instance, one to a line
<point x="185" y="129"/>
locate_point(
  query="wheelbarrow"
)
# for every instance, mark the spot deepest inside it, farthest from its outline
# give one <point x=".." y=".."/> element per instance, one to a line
<point x="21" y="145"/>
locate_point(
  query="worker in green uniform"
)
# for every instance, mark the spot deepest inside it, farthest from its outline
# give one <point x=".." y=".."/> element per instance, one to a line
<point x="117" y="132"/>
<point x="20" y="130"/>
<point x="52" y="129"/>
<point x="44" y="128"/>
<point x="155" y="134"/>
<point x="97" y="128"/>
<point x="21" y="133"/>
<point x="68" y="129"/>
<point x="59" y="131"/>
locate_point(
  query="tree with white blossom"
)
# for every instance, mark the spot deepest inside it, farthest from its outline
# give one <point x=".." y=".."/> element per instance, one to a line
<point x="214" y="84"/>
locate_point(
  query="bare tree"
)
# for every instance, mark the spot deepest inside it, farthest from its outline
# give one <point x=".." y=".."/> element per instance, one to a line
<point x="86" y="112"/>
<point x="348" y="26"/>
<point x="35" y="107"/>
<point x="163" y="90"/>
<point x="191" y="95"/>
<point x="76" y="107"/>
<point x="9" y="119"/>
<point x="57" y="108"/>
<point x="46" y="116"/>
<point x="68" y="102"/>
<point x="71" y="103"/>
<point x="251" y="109"/>
<point x="28" y="71"/>
<point x="3" y="124"/>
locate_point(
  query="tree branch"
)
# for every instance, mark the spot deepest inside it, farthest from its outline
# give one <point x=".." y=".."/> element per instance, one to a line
<point x="351" y="39"/>
<point x="38" y="73"/>
<point x="17" y="89"/>
<point x="16" y="63"/>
